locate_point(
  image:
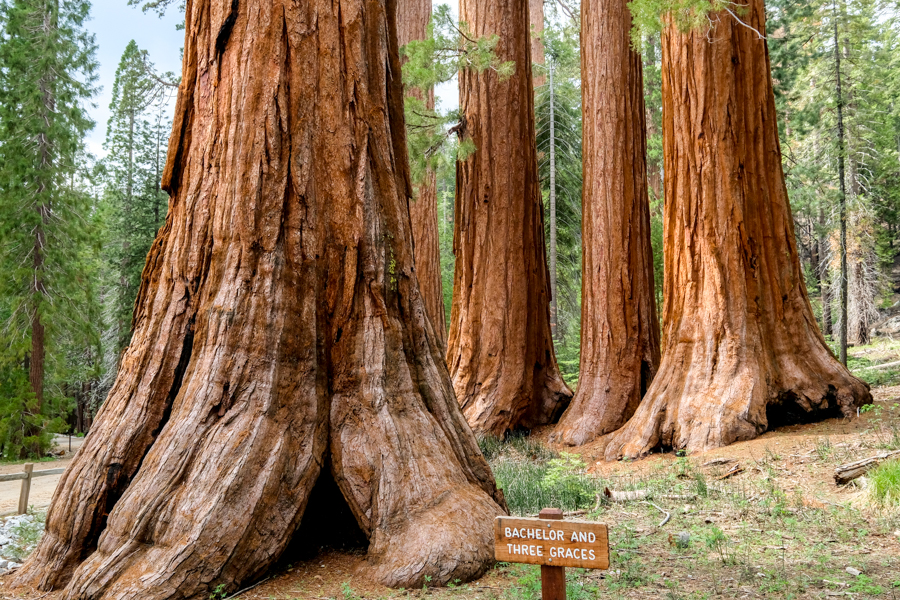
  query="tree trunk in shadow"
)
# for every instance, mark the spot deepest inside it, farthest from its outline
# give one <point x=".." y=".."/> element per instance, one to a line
<point x="412" y="24"/>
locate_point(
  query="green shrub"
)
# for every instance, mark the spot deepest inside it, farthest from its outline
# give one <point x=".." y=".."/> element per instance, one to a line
<point x="567" y="479"/>
<point x="885" y="482"/>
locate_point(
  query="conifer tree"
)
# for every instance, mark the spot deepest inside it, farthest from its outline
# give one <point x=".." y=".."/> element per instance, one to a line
<point x="46" y="75"/>
<point x="134" y="202"/>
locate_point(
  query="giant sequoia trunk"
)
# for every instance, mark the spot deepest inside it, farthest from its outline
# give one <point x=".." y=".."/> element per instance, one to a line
<point x="619" y="326"/>
<point x="742" y="351"/>
<point x="536" y="18"/>
<point x="412" y="24"/>
<point x="279" y="333"/>
<point x="500" y="351"/>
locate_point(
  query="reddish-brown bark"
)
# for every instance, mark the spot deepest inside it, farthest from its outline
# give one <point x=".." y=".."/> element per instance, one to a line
<point x="279" y="332"/>
<point x="536" y="18"/>
<point x="619" y="326"/>
<point x="741" y="347"/>
<point x="412" y="24"/>
<point x="500" y="351"/>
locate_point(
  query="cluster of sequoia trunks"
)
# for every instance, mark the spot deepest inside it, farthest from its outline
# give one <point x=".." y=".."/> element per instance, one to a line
<point x="741" y="348"/>
<point x="282" y="336"/>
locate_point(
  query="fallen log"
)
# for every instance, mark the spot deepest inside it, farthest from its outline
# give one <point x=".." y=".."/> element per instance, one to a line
<point x="625" y="496"/>
<point x="844" y="474"/>
<point x="881" y="366"/>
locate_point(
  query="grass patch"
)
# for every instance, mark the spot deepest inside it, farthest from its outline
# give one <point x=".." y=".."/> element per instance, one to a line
<point x="516" y="444"/>
<point x="879" y="377"/>
<point x="534" y="477"/>
<point x="885" y="483"/>
<point x="531" y="485"/>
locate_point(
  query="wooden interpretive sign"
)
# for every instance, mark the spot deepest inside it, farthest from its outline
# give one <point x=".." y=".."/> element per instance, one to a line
<point x="551" y="542"/>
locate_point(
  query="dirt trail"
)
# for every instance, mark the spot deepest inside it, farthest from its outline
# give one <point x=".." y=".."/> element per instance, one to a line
<point x="42" y="488"/>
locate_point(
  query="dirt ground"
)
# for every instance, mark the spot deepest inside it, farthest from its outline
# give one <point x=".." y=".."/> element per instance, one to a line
<point x="765" y="520"/>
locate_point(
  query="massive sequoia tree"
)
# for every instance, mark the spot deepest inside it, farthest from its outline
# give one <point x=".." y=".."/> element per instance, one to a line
<point x="741" y="349"/>
<point x="619" y="326"/>
<point x="279" y="335"/>
<point x="500" y="352"/>
<point x="412" y="24"/>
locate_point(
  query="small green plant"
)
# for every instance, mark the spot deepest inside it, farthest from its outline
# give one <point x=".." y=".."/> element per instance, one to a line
<point x="824" y="448"/>
<point x="218" y="592"/>
<point x="567" y="477"/>
<point x="700" y="485"/>
<point x="25" y="536"/>
<point x="864" y="585"/>
<point x="885" y="483"/>
<point x="348" y="592"/>
<point x="683" y="466"/>
<point x="717" y="541"/>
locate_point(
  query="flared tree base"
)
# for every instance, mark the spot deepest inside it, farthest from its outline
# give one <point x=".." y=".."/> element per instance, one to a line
<point x="692" y="410"/>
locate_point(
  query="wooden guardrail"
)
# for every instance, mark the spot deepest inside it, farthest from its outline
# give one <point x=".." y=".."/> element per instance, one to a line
<point x="28" y="473"/>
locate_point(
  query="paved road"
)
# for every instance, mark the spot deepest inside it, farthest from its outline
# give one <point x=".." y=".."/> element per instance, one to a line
<point x="41" y="487"/>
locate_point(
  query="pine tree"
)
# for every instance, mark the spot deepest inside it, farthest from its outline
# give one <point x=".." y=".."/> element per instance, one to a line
<point x="134" y="202"/>
<point x="840" y="148"/>
<point x="46" y="74"/>
<point x="561" y="52"/>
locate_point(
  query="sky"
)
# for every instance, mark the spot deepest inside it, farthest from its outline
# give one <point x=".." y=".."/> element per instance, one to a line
<point x="114" y="24"/>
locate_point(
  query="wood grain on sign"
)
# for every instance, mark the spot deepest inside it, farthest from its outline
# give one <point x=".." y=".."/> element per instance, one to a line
<point x="555" y="543"/>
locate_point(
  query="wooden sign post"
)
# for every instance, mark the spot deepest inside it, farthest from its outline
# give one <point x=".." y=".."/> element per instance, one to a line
<point x="554" y="544"/>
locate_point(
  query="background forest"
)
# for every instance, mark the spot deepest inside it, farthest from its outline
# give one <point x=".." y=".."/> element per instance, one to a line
<point x="75" y="229"/>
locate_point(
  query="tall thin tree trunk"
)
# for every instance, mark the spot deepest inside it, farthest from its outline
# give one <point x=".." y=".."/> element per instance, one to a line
<point x="412" y="24"/>
<point x="500" y="351"/>
<point x="742" y="349"/>
<point x="619" y="325"/>
<point x="126" y="293"/>
<point x="554" y="310"/>
<point x="156" y="175"/>
<point x="842" y="198"/>
<point x="536" y="17"/>
<point x="38" y="334"/>
<point x="280" y="336"/>
<point x="654" y="170"/>
<point x="44" y="188"/>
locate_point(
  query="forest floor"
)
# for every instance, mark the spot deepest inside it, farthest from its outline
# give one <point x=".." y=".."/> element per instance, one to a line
<point x="764" y="518"/>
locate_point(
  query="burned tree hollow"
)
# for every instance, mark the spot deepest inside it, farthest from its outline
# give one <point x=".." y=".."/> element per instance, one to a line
<point x="285" y="266"/>
<point x="741" y="347"/>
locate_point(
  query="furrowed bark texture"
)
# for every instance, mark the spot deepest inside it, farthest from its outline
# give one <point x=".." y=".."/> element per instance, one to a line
<point x="500" y="352"/>
<point x="741" y="347"/>
<point x="536" y="18"/>
<point x="620" y="329"/>
<point x="279" y="331"/>
<point x="412" y="24"/>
